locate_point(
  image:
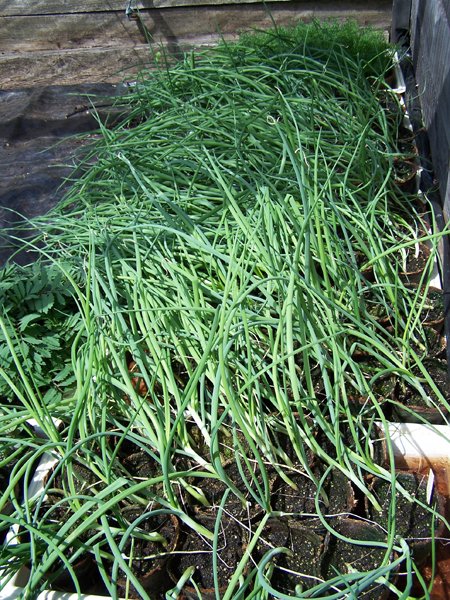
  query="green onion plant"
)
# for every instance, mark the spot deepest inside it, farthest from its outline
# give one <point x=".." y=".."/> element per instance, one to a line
<point x="220" y="287"/>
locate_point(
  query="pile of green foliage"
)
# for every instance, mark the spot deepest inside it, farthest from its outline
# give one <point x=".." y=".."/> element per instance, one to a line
<point x="227" y="267"/>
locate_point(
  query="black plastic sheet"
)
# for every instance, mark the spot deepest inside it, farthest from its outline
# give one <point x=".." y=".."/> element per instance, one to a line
<point x="39" y="149"/>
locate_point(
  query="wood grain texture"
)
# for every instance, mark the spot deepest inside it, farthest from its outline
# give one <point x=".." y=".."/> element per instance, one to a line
<point x="102" y="46"/>
<point x="67" y="31"/>
<point x="182" y="24"/>
<point x="430" y="37"/>
<point x="71" y="66"/>
<point x="52" y="7"/>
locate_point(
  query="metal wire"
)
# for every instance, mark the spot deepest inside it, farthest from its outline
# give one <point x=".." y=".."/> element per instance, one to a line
<point x="130" y="10"/>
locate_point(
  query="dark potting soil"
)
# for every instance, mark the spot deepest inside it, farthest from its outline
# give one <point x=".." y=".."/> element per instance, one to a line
<point x="135" y="463"/>
<point x="415" y="264"/>
<point x="407" y="147"/>
<point x="301" y="564"/>
<point x="141" y="466"/>
<point x="300" y="499"/>
<point x="398" y="398"/>
<point x="413" y="521"/>
<point x="405" y="171"/>
<point x="433" y="311"/>
<point x="56" y="509"/>
<point x="343" y="556"/>
<point x="434" y="344"/>
<point x="241" y="472"/>
<point x="338" y="496"/>
<point x="195" y="550"/>
<point x="147" y="559"/>
<point x="243" y="506"/>
<point x="313" y="554"/>
<point x="429" y="408"/>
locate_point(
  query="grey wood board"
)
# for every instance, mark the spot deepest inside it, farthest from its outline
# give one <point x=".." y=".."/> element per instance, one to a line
<point x="52" y="7"/>
<point x="124" y="53"/>
<point x="71" y="66"/>
<point x="61" y="32"/>
<point x="430" y="37"/>
<point x="90" y="30"/>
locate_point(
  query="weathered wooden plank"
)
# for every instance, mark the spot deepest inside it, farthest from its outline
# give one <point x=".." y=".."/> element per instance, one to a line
<point x="49" y="7"/>
<point x="175" y="25"/>
<point x="52" y="7"/>
<point x="30" y="69"/>
<point x="63" y="32"/>
<point x="103" y="46"/>
<point x="430" y="37"/>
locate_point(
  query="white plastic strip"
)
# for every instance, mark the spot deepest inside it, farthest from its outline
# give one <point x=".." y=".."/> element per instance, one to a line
<point x="414" y="440"/>
<point x="400" y="85"/>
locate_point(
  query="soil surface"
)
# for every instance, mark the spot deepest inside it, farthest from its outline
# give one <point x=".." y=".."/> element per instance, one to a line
<point x="300" y="564"/>
<point x="412" y="268"/>
<point x="165" y="547"/>
<point x="195" y="550"/>
<point x="344" y="556"/>
<point x="431" y="408"/>
<point x="413" y="521"/>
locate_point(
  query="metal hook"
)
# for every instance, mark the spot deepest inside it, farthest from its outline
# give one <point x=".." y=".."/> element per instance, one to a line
<point x="130" y="11"/>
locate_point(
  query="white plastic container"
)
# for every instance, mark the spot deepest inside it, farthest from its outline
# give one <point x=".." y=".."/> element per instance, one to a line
<point x="417" y="447"/>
